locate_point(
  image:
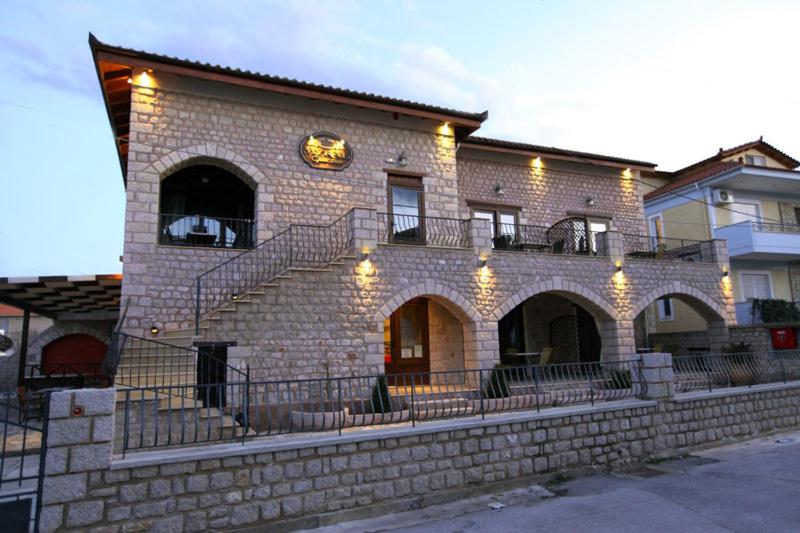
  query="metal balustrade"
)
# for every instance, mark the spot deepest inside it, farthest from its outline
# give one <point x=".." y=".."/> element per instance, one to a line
<point x="716" y="371"/>
<point x="298" y="246"/>
<point x="653" y="247"/>
<point x="205" y="231"/>
<point x="431" y="231"/>
<point x="776" y="227"/>
<point x="164" y="415"/>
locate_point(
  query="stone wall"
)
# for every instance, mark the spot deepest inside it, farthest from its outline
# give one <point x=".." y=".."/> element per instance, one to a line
<point x="9" y="362"/>
<point x="303" y="480"/>
<point x="446" y="339"/>
<point x="758" y="337"/>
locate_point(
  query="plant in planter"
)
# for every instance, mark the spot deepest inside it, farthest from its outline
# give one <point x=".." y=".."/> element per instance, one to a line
<point x="775" y="311"/>
<point x="497" y="386"/>
<point x="381" y="399"/>
<point x="619" y="379"/>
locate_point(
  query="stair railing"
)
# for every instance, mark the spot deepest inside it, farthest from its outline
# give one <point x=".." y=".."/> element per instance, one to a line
<point x="299" y="246"/>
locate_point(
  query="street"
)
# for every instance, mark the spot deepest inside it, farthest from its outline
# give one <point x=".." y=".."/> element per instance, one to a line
<point x="749" y="486"/>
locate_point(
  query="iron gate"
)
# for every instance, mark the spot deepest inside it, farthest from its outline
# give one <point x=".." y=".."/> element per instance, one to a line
<point x="23" y="427"/>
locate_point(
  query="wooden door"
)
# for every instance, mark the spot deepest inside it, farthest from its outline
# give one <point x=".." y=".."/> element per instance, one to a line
<point x="409" y="339"/>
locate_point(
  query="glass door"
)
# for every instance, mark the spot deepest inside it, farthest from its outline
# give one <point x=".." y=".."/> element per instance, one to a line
<point x="406" y="208"/>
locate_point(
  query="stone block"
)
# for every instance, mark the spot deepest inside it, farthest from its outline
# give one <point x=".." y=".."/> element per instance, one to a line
<point x="65" y="431"/>
<point x="66" y="488"/>
<point x="89" y="457"/>
<point x="82" y="514"/>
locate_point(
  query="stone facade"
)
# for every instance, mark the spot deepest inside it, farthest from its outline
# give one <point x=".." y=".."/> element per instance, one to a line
<point x="307" y="481"/>
<point x="329" y="321"/>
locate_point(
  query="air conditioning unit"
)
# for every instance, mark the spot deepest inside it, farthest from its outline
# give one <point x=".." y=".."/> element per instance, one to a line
<point x="722" y="196"/>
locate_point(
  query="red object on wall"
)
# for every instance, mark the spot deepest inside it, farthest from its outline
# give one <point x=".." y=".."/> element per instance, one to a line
<point x="783" y="338"/>
<point x="73" y="354"/>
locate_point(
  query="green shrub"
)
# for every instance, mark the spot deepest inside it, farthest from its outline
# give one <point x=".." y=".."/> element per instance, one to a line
<point x="381" y="399"/>
<point x="497" y="386"/>
<point x="774" y="311"/>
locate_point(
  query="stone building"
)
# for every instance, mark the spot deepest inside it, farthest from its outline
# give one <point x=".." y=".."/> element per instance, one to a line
<point x="307" y="231"/>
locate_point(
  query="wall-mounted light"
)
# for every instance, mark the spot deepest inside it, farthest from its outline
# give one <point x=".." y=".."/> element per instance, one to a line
<point x="365" y="255"/>
<point x="482" y="260"/>
<point x="725" y="274"/>
<point x="618" y="265"/>
<point x="234" y="297"/>
<point x="402" y="160"/>
<point x="537" y="162"/>
<point x="589" y="201"/>
<point x="498" y="190"/>
<point x="154" y="330"/>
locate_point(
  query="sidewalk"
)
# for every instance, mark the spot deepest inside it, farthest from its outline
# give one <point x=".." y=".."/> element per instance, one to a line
<point x="750" y="486"/>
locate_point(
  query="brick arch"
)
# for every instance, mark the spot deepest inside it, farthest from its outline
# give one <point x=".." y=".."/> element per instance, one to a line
<point x="210" y="154"/>
<point x="447" y="297"/>
<point x="695" y="298"/>
<point x="598" y="306"/>
<point x="59" y="330"/>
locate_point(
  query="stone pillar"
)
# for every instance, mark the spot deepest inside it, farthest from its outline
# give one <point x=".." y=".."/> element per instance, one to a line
<point x="480" y="236"/>
<point x="654" y="375"/>
<point x="614" y="246"/>
<point x="365" y="230"/>
<point x="719" y="249"/>
<point x="80" y="433"/>
<point x="617" y="340"/>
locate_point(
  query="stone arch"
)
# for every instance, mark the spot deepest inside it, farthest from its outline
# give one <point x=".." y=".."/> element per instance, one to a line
<point x="615" y="331"/>
<point x="716" y="315"/>
<point x="62" y="329"/>
<point x="211" y="154"/>
<point x="479" y="336"/>
<point x="707" y="306"/>
<point x="601" y="308"/>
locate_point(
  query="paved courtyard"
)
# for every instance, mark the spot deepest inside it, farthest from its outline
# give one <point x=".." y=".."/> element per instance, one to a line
<point x="751" y="486"/>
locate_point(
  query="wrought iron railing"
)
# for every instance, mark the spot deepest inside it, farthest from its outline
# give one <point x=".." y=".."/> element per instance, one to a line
<point x="653" y="247"/>
<point x="570" y="238"/>
<point x="253" y="409"/>
<point x="715" y="371"/>
<point x="776" y="227"/>
<point x="205" y="231"/>
<point x="150" y="363"/>
<point x="430" y="231"/>
<point x="298" y="246"/>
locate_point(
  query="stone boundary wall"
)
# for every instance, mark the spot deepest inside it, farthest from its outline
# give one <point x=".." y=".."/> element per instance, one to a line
<point x="306" y="481"/>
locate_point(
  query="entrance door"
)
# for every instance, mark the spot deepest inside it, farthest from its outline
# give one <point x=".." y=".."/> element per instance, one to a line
<point x="211" y="375"/>
<point x="409" y="339"/>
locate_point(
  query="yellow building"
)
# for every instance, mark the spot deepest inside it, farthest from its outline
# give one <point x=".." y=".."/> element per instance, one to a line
<point x="749" y="196"/>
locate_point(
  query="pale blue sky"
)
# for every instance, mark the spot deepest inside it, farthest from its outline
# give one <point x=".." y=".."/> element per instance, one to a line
<point x="668" y="82"/>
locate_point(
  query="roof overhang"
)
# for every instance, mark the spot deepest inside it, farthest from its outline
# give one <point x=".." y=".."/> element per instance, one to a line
<point x="94" y="297"/>
<point x="757" y="179"/>
<point x="507" y="147"/>
<point x="115" y="64"/>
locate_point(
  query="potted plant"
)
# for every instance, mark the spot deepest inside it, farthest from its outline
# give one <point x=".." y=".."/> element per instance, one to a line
<point x="381" y="408"/>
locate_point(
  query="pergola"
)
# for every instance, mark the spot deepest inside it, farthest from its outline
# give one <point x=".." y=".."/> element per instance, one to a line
<point x="92" y="297"/>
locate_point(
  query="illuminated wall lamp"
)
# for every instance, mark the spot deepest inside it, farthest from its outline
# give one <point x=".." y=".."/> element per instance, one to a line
<point x="154" y="330"/>
<point x="482" y="260"/>
<point x="725" y="274"/>
<point x="618" y="265"/>
<point x="234" y="297"/>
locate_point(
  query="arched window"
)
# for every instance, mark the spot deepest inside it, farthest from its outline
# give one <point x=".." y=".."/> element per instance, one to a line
<point x="204" y="205"/>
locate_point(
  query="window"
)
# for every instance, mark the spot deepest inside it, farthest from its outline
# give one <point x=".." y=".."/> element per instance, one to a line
<point x="742" y="212"/>
<point x="755" y="286"/>
<point x="407" y="209"/>
<point x="596" y="227"/>
<point x="665" y="312"/>
<point x="656" y="227"/>
<point x="504" y="224"/>
<point x="757" y="160"/>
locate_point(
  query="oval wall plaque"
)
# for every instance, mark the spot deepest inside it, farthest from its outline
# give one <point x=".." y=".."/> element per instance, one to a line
<point x="326" y="151"/>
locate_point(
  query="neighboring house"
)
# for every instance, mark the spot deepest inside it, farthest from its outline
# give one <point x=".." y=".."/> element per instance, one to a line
<point x="311" y="231"/>
<point x="748" y="195"/>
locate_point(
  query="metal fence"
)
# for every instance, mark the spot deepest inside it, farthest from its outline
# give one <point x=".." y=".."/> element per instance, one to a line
<point x="165" y="416"/>
<point x="23" y="428"/>
<point x="298" y="246"/>
<point x="652" y="247"/>
<point x="776" y="227"/>
<point x="208" y="231"/>
<point x="431" y="231"/>
<point x="716" y="371"/>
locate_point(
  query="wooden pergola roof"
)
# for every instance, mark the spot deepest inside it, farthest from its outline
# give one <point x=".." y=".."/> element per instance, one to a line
<point x="65" y="297"/>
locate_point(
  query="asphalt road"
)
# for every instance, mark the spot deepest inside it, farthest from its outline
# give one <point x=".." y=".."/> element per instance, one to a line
<point x="751" y="486"/>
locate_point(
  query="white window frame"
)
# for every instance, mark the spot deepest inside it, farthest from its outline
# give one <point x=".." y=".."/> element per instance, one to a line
<point x="749" y="201"/>
<point x="662" y="312"/>
<point x="767" y="273"/>
<point x="753" y="160"/>
<point x="650" y="226"/>
<point x="2" y="353"/>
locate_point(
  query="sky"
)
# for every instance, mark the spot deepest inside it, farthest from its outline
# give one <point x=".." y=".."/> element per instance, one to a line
<point x="667" y="82"/>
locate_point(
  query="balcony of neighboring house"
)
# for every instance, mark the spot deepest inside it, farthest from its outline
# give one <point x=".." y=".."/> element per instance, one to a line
<point x="206" y="206"/>
<point x="761" y="240"/>
<point x="767" y="311"/>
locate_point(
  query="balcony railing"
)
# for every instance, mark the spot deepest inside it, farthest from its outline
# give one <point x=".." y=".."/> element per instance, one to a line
<point x="568" y="240"/>
<point x="709" y="372"/>
<point x="652" y="247"/>
<point x="205" y="231"/>
<point x="776" y="227"/>
<point x="431" y="231"/>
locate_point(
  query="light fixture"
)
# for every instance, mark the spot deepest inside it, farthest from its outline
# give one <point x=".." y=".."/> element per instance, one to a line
<point x="154" y="330"/>
<point x="725" y="274"/>
<point x="206" y="180"/>
<point x="402" y="160"/>
<point x="498" y="190"/>
<point x="482" y="260"/>
<point x="234" y="297"/>
<point x="589" y="201"/>
<point x="365" y="255"/>
<point x="618" y="264"/>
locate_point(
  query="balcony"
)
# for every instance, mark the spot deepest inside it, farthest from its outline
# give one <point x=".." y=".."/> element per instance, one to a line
<point x="758" y="240"/>
<point x="652" y="247"/>
<point x="778" y="312"/>
<point x="424" y="231"/>
<point x="205" y="231"/>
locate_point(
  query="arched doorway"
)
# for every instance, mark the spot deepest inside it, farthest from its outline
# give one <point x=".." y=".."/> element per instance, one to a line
<point x="73" y="354"/>
<point x="206" y="205"/>
<point x="550" y="328"/>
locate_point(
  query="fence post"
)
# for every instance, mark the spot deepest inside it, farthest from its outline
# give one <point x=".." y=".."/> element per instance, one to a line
<point x="341" y="411"/>
<point x="780" y="362"/>
<point x="42" y="460"/>
<point x="246" y="403"/>
<point x="197" y="307"/>
<point x="480" y="392"/>
<point x="591" y="387"/>
<point x="413" y="408"/>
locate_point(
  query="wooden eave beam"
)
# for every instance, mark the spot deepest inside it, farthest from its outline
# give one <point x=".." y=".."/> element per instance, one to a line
<point x="544" y="155"/>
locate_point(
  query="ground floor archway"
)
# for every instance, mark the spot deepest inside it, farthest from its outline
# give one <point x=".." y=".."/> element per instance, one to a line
<point x="73" y="354"/>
